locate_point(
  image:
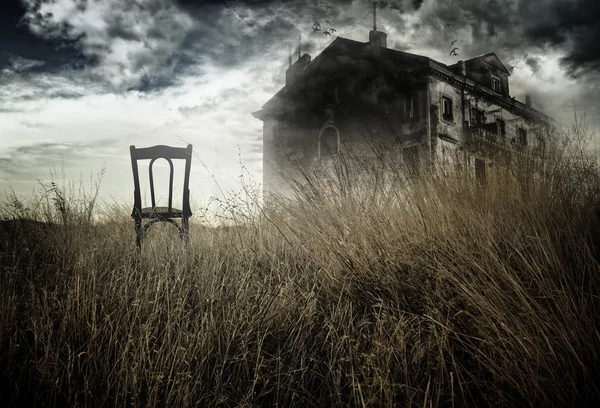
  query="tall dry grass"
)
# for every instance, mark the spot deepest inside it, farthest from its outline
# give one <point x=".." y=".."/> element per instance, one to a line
<point x="368" y="289"/>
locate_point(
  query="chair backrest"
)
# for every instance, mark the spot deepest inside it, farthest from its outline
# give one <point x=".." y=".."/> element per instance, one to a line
<point x="162" y="152"/>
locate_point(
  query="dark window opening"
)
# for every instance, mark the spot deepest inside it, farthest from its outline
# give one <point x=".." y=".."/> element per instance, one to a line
<point x="501" y="125"/>
<point x="477" y="117"/>
<point x="410" y="107"/>
<point x="447" y="108"/>
<point x="496" y="84"/>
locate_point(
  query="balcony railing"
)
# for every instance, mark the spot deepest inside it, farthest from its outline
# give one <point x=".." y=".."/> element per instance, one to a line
<point x="479" y="137"/>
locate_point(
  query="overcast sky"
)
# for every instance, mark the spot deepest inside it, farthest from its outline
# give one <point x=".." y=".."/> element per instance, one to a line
<point x="81" y="80"/>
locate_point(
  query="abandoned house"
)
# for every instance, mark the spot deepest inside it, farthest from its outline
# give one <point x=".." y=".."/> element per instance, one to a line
<point x="355" y="93"/>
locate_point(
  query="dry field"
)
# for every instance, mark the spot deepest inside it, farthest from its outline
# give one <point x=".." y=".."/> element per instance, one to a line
<point x="432" y="292"/>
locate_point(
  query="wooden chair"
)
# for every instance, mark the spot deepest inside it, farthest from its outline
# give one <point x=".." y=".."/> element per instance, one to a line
<point x="160" y="214"/>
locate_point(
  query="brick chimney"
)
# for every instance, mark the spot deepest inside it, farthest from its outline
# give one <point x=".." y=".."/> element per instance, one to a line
<point x="528" y="100"/>
<point x="377" y="39"/>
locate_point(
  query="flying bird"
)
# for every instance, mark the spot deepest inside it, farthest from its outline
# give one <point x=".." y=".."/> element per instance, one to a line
<point x="448" y="25"/>
<point x="327" y="22"/>
<point x="518" y="64"/>
<point x="453" y="52"/>
<point x="315" y="29"/>
<point x="452" y="43"/>
<point x="326" y="33"/>
<point x="333" y="30"/>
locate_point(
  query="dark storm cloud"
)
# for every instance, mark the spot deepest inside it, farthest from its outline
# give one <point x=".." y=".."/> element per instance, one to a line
<point x="18" y="42"/>
<point x="571" y="25"/>
<point x="124" y="43"/>
<point x="566" y="26"/>
<point x="533" y="63"/>
<point x="226" y="33"/>
<point x="230" y="32"/>
<point x="401" y="5"/>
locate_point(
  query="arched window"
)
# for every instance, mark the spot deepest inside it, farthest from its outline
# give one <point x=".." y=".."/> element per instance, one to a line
<point x="329" y="141"/>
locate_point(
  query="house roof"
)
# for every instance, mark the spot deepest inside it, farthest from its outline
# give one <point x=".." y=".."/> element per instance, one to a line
<point x="490" y="57"/>
<point x="358" y="55"/>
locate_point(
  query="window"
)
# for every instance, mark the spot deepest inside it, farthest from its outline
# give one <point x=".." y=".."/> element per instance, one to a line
<point x="522" y="136"/>
<point x="446" y="108"/>
<point x="477" y="117"/>
<point x="495" y="84"/>
<point x="409" y="107"/>
<point x="501" y="126"/>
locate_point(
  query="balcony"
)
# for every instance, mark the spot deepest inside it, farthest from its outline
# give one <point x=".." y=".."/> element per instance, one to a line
<point x="483" y="139"/>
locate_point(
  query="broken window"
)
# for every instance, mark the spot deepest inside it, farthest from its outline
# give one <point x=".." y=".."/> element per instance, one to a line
<point x="495" y="84"/>
<point x="447" y="108"/>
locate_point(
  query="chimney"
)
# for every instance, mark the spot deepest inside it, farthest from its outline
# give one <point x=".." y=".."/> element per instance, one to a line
<point x="463" y="67"/>
<point x="377" y="39"/>
<point x="296" y="71"/>
<point x="528" y="100"/>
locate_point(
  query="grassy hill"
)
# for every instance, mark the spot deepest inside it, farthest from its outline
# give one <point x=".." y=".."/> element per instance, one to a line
<point x="372" y="290"/>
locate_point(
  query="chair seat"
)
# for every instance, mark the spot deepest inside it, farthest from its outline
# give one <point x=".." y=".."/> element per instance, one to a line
<point x="161" y="212"/>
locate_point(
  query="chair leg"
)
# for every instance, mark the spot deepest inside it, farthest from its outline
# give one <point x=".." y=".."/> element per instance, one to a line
<point x="185" y="228"/>
<point x="138" y="232"/>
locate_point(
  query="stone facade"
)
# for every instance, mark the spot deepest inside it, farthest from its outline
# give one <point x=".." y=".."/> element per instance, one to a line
<point x="360" y="98"/>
